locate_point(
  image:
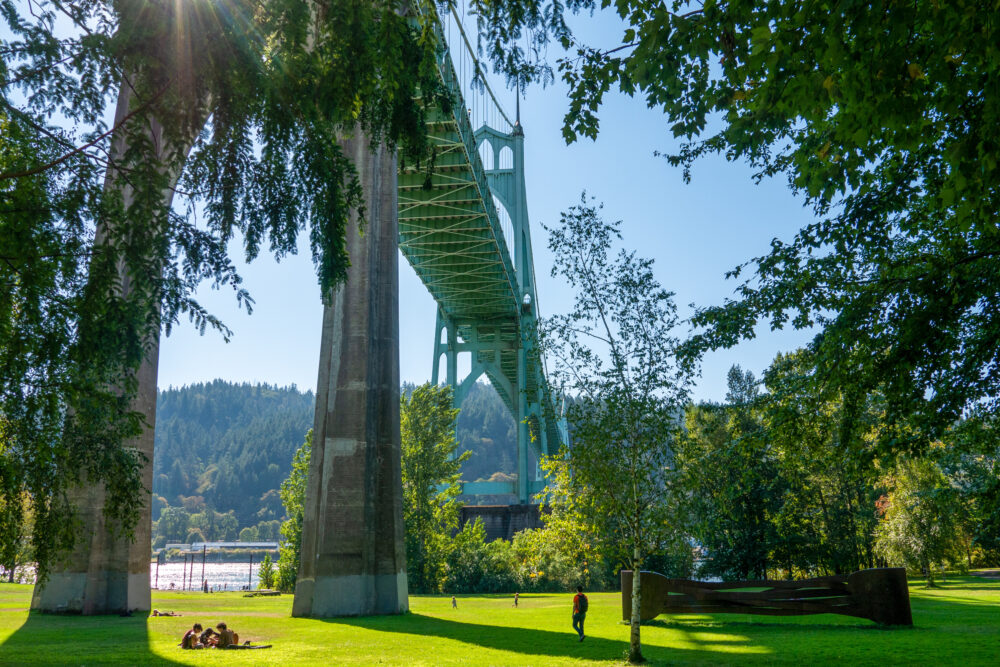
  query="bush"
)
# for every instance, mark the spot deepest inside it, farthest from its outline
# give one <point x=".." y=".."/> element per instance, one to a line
<point x="477" y="566"/>
<point x="266" y="572"/>
<point x="543" y="565"/>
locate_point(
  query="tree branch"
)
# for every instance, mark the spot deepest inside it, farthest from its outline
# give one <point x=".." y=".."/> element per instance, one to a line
<point x="80" y="149"/>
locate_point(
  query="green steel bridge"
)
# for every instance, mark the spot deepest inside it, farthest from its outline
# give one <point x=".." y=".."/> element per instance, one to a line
<point x="464" y="228"/>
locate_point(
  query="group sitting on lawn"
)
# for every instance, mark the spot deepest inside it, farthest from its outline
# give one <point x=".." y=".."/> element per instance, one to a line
<point x="224" y="638"/>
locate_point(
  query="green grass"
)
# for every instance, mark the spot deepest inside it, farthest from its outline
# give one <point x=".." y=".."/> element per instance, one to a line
<point x="960" y="622"/>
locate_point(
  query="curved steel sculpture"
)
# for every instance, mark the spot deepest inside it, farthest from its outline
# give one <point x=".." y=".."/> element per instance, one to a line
<point x="878" y="594"/>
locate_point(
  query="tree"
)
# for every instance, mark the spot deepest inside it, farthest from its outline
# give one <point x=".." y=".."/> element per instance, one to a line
<point x="59" y="419"/>
<point x="584" y="542"/>
<point x="173" y="523"/>
<point x="266" y="573"/>
<point x="293" y="495"/>
<point x="971" y="462"/>
<point x="921" y="522"/>
<point x="228" y="526"/>
<point x="824" y="443"/>
<point x="15" y="533"/>
<point x="207" y="523"/>
<point x="430" y="482"/>
<point x="881" y="116"/>
<point x="730" y="473"/>
<point x="98" y="259"/>
<point x="268" y="530"/>
<point x="614" y="352"/>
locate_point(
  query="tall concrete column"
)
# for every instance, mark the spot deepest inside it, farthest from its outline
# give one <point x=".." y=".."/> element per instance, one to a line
<point x="105" y="574"/>
<point x="353" y="560"/>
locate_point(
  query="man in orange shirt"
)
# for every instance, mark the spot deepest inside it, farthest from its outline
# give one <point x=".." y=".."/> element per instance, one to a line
<point x="580" y="606"/>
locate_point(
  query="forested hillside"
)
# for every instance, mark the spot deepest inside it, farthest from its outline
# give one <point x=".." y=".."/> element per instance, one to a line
<point x="227" y="447"/>
<point x="487" y="429"/>
<point x="223" y="449"/>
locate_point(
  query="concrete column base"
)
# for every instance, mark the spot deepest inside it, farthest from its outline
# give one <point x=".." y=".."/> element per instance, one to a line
<point x="352" y="595"/>
<point x="102" y="592"/>
<point x="106" y="573"/>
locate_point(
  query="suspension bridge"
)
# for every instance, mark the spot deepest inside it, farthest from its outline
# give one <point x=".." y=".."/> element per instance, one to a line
<point x="464" y="228"/>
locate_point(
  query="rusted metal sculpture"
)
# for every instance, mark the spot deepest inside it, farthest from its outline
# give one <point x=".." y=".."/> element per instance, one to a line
<point x="878" y="594"/>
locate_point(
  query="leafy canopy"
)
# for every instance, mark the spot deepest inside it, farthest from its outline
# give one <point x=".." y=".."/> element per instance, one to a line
<point x="881" y="115"/>
<point x="236" y="107"/>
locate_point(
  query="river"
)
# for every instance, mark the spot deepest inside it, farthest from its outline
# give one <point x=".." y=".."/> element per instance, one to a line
<point x="220" y="576"/>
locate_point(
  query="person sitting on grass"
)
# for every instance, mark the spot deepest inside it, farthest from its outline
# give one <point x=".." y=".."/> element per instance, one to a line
<point x="227" y="637"/>
<point x="191" y="638"/>
<point x="209" y="637"/>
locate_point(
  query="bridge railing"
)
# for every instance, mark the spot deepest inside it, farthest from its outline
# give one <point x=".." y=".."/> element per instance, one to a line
<point x="483" y="106"/>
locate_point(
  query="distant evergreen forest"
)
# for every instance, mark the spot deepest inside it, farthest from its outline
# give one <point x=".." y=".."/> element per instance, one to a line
<point x="487" y="429"/>
<point x="223" y="449"/>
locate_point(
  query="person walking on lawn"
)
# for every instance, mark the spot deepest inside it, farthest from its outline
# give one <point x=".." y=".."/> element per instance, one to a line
<point x="580" y="606"/>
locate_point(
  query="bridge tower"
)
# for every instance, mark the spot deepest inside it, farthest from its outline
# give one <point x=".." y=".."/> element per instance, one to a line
<point x="499" y="347"/>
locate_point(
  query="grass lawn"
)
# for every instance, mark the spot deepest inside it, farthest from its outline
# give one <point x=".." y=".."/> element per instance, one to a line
<point x="958" y="623"/>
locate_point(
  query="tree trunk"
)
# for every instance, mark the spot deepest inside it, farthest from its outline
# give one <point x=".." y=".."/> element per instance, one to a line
<point x="634" y="646"/>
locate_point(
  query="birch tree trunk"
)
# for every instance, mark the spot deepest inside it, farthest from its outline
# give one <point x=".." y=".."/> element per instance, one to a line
<point x="634" y="645"/>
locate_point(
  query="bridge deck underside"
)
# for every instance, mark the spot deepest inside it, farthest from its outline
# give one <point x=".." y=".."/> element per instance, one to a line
<point x="450" y="233"/>
<point x="446" y="234"/>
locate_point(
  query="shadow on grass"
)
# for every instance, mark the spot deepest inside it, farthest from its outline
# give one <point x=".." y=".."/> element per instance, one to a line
<point x="944" y="631"/>
<point x="730" y="622"/>
<point x="46" y="639"/>
<point x="562" y="643"/>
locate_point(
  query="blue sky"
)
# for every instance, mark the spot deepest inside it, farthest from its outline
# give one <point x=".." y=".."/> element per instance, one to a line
<point x="695" y="232"/>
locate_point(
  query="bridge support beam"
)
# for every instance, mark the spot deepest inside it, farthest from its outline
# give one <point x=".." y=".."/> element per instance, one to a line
<point x="353" y="558"/>
<point x="523" y="434"/>
<point x="490" y="346"/>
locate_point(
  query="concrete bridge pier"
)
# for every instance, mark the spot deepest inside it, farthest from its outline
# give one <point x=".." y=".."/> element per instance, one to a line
<point x="353" y="559"/>
<point x="105" y="574"/>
